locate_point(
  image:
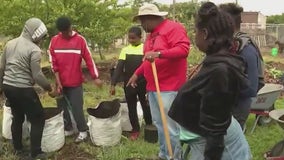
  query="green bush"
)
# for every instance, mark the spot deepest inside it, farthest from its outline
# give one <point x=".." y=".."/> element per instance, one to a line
<point x="195" y="56"/>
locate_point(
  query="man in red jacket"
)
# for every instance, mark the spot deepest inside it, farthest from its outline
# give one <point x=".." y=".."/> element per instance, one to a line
<point x="67" y="49"/>
<point x="168" y="46"/>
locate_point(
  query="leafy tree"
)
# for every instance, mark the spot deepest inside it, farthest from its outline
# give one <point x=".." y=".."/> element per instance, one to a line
<point x="184" y="13"/>
<point x="101" y="22"/>
<point x="276" y="19"/>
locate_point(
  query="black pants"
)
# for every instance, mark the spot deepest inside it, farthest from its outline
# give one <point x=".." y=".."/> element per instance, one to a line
<point x="131" y="100"/>
<point x="75" y="97"/>
<point x="25" y="101"/>
<point x="241" y="111"/>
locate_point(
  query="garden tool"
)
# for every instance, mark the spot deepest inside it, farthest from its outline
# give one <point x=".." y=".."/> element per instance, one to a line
<point x="161" y="106"/>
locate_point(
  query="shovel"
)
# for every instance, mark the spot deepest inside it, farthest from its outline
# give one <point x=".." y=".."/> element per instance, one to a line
<point x="161" y="106"/>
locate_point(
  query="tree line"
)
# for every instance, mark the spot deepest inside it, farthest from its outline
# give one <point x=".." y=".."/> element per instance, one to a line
<point x="100" y="21"/>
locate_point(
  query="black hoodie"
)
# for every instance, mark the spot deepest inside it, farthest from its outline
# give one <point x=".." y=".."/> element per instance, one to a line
<point x="203" y="104"/>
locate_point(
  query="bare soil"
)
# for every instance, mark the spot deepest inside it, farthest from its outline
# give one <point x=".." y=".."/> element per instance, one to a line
<point x="73" y="152"/>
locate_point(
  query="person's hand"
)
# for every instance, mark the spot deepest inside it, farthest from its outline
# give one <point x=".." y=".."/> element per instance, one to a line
<point x="112" y="90"/>
<point x="150" y="56"/>
<point x="59" y="87"/>
<point x="53" y="93"/>
<point x="132" y="81"/>
<point x="98" y="83"/>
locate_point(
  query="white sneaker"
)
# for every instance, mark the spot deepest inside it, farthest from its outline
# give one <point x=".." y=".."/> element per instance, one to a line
<point x="69" y="133"/>
<point x="81" y="137"/>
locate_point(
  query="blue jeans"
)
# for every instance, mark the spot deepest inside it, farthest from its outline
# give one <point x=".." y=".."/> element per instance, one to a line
<point x="236" y="145"/>
<point x="173" y="128"/>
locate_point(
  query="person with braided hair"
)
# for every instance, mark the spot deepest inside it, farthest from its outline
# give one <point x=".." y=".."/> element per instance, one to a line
<point x="204" y="103"/>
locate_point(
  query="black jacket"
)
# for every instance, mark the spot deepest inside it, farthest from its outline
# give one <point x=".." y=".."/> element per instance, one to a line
<point x="203" y="104"/>
<point x="126" y="69"/>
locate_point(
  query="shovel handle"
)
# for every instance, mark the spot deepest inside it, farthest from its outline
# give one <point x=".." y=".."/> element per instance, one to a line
<point x="161" y="106"/>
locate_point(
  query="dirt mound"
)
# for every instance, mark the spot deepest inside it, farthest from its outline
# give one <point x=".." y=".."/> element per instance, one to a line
<point x="104" y="71"/>
<point x="277" y="65"/>
<point x="50" y="112"/>
<point x="103" y="68"/>
<point x="73" y="152"/>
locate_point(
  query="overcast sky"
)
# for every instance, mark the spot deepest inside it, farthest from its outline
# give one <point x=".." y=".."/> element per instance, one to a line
<point x="266" y="7"/>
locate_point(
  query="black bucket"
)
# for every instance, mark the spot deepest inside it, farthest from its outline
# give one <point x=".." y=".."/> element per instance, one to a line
<point x="50" y="112"/>
<point x="150" y="134"/>
<point x="105" y="109"/>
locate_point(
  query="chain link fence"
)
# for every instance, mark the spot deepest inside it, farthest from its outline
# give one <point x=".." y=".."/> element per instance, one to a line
<point x="275" y="32"/>
<point x="265" y="37"/>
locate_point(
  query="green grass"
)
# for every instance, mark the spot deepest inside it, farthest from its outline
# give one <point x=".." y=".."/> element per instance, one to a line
<point x="195" y="56"/>
<point x="92" y="96"/>
<point x="269" y="58"/>
<point x="263" y="138"/>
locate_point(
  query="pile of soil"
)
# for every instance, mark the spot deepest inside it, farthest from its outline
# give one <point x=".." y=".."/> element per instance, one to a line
<point x="269" y="78"/>
<point x="103" y="68"/>
<point x="104" y="71"/>
<point x="50" y="112"/>
<point x="73" y="152"/>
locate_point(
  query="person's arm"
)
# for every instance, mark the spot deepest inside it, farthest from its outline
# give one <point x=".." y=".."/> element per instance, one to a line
<point x="117" y="72"/>
<point x="179" y="42"/>
<point x="37" y="74"/>
<point x="140" y="70"/>
<point x="52" y="59"/>
<point x="119" y="67"/>
<point x="2" y="67"/>
<point x="87" y="56"/>
<point x="54" y="66"/>
<point x="250" y="55"/>
<point x="215" y="112"/>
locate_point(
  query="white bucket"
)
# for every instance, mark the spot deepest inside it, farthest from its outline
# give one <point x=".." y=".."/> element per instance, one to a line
<point x="53" y="137"/>
<point x="105" y="131"/>
<point x="7" y="122"/>
<point x="125" y="122"/>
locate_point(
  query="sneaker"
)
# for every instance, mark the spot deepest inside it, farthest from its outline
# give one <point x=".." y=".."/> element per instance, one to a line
<point x="21" y="153"/>
<point x="81" y="137"/>
<point x="40" y="156"/>
<point x="69" y="133"/>
<point x="134" y="136"/>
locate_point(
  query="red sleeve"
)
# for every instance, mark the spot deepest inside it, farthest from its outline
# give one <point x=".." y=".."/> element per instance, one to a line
<point x="178" y="43"/>
<point x="87" y="56"/>
<point x="52" y="58"/>
<point x="140" y="70"/>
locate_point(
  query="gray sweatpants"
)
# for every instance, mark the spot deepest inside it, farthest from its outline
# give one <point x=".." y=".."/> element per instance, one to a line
<point x="75" y="97"/>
